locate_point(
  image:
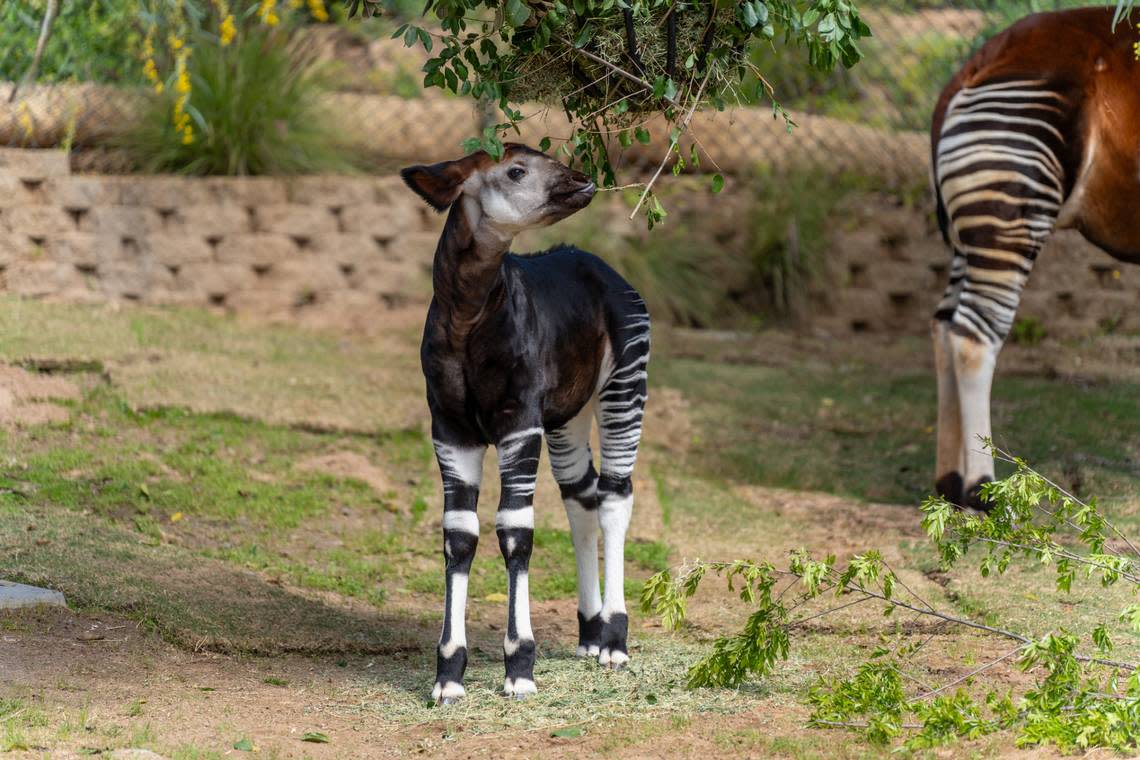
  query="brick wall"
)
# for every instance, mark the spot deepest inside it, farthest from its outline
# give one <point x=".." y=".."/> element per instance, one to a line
<point x="266" y="246"/>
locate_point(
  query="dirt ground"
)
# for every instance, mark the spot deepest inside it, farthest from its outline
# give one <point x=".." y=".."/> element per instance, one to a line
<point x="301" y="658"/>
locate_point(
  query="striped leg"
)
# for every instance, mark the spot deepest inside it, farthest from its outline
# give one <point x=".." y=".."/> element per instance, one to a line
<point x="1002" y="186"/>
<point x="514" y="524"/>
<point x="462" y="470"/>
<point x="573" y="466"/>
<point x="621" y="405"/>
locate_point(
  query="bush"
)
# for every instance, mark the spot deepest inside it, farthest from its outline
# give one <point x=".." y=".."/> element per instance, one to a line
<point x="256" y="107"/>
<point x="93" y="41"/>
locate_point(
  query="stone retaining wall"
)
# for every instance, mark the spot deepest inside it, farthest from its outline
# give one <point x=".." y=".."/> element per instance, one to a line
<point x="337" y="249"/>
<point x="264" y="246"/>
<point x="889" y="267"/>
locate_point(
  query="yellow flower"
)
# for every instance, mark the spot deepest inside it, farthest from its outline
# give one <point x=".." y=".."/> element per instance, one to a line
<point x="188" y="136"/>
<point x="267" y="12"/>
<point x="317" y="8"/>
<point x="25" y="119"/>
<point x="228" y="30"/>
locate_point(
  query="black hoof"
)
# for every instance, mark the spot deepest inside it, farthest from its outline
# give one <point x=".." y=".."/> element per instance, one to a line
<point x="974" y="498"/>
<point x="949" y="487"/>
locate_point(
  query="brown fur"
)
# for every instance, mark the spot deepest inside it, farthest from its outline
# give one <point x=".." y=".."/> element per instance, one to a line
<point x="1080" y="55"/>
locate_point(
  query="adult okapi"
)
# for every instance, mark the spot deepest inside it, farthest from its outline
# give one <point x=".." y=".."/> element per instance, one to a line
<point x="1040" y="130"/>
<point x="515" y="347"/>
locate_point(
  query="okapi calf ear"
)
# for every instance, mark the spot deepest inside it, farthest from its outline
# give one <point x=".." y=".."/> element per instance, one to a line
<point x="441" y="184"/>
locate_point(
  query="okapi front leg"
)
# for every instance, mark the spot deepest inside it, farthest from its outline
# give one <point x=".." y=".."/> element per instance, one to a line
<point x="462" y="469"/>
<point x="514" y="524"/>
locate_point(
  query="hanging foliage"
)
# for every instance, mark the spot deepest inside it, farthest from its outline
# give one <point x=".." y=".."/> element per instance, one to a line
<point x="610" y="64"/>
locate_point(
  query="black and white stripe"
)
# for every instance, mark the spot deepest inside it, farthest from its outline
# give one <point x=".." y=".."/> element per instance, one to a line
<point x="1001" y="186"/>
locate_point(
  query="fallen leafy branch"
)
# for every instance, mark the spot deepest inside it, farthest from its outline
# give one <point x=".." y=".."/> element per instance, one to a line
<point x="1079" y="701"/>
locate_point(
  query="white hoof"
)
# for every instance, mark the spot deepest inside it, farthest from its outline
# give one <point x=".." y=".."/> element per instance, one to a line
<point x="614" y="659"/>
<point x="448" y="693"/>
<point x="519" y="688"/>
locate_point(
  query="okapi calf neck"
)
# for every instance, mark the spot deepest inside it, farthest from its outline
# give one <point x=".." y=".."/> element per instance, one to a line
<point x="516" y="347"/>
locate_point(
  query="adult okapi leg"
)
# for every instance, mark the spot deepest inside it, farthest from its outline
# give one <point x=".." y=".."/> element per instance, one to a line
<point x="950" y="463"/>
<point x="514" y="524"/>
<point x="573" y="465"/>
<point x="621" y="407"/>
<point x="1002" y="185"/>
<point x="461" y="467"/>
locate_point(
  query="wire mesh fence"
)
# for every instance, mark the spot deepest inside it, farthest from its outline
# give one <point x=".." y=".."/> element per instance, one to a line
<point x="870" y="119"/>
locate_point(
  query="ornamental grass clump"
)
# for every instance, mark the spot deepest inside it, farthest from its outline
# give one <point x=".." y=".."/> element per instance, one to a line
<point x="256" y="106"/>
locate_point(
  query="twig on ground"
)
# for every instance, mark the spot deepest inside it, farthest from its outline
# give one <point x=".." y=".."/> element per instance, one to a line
<point x="971" y="674"/>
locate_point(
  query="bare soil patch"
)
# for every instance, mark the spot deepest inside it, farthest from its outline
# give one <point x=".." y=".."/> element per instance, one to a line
<point x="350" y="464"/>
<point x="27" y="398"/>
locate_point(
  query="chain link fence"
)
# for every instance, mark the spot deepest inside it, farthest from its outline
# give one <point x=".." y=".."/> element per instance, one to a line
<point x="871" y="119"/>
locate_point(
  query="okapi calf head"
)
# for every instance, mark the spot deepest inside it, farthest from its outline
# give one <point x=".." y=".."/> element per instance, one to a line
<point x="525" y="190"/>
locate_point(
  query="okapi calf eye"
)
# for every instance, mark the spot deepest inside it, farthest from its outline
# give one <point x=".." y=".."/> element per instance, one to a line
<point x="516" y="173"/>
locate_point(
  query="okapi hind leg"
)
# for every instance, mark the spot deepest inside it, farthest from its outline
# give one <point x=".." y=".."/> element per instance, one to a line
<point x="573" y="466"/>
<point x="621" y="407"/>
<point x="1001" y="184"/>
<point x="950" y="463"/>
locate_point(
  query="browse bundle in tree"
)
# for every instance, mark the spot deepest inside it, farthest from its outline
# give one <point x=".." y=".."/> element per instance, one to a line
<point x="610" y="64"/>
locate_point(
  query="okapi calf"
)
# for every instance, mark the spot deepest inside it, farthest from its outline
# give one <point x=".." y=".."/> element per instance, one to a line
<point x="1040" y="130"/>
<point x="514" y="347"/>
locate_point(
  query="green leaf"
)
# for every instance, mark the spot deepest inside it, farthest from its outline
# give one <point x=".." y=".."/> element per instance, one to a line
<point x="316" y="737"/>
<point x="571" y="732"/>
<point x="584" y="36"/>
<point x="243" y="745"/>
<point x="717" y="182"/>
<point x="544" y="144"/>
<point x="642" y="135"/>
<point x="517" y="12"/>
<point x="749" y="14"/>
<point x="425" y="38"/>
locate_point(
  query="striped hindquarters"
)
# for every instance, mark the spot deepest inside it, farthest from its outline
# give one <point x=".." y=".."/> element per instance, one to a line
<point x="622" y="395"/>
<point x="1001" y="180"/>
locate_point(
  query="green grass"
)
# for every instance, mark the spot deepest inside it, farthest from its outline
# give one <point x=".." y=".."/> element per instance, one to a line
<point x="161" y="463"/>
<point x="88" y="506"/>
<point x="859" y="431"/>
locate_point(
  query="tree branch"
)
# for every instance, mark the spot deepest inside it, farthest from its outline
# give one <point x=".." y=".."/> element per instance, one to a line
<point x="41" y="44"/>
<point x="684" y="125"/>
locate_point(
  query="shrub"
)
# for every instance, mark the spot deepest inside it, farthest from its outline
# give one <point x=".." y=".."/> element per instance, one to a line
<point x="94" y="41"/>
<point x="256" y="107"/>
